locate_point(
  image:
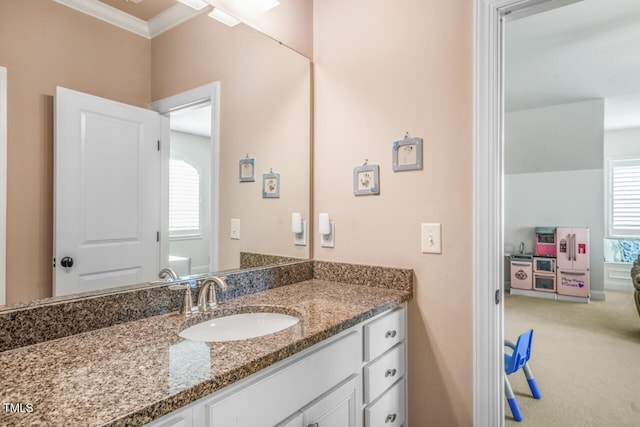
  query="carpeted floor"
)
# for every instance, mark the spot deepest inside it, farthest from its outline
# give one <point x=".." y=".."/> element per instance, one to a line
<point x="585" y="358"/>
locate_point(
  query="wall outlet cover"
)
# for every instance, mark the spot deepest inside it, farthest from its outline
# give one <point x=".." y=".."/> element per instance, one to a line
<point x="328" y="240"/>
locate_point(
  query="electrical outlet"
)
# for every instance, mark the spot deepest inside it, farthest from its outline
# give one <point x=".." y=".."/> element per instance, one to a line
<point x="431" y="238"/>
<point x="328" y="240"/>
<point x="235" y="228"/>
<point x="300" y="239"/>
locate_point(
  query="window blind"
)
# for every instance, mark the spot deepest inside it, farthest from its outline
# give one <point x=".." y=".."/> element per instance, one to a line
<point x="624" y="218"/>
<point x="184" y="199"/>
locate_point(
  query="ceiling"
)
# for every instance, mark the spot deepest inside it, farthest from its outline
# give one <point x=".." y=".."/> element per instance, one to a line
<point x="586" y="50"/>
<point x="144" y="10"/>
<point x="195" y="120"/>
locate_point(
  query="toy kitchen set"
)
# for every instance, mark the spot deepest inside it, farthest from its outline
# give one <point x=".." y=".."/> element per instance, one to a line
<point x="558" y="268"/>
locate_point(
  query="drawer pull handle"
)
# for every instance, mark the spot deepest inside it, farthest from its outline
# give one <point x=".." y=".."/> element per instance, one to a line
<point x="390" y="334"/>
<point x="390" y="372"/>
<point x="390" y="418"/>
<point x="313" y="425"/>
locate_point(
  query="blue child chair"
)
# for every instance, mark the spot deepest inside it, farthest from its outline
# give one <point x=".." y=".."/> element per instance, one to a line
<point x="512" y="363"/>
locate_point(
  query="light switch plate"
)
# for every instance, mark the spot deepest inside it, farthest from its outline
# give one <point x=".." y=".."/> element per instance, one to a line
<point x="235" y="228"/>
<point x="431" y="237"/>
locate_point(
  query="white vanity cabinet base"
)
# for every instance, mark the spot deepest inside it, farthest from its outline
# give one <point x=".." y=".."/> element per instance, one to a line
<point x="384" y="370"/>
<point x="321" y="386"/>
<point x="383" y="333"/>
<point x="381" y="374"/>
<point x="389" y="410"/>
<point x="289" y="389"/>
<point x="339" y="408"/>
<point x="179" y="418"/>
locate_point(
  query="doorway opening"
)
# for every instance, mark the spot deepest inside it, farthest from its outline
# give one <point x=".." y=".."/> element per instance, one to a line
<point x="490" y="165"/>
<point x="190" y="179"/>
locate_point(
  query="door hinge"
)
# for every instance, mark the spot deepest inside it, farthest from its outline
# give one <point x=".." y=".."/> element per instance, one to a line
<point x="498" y="297"/>
<point x="158" y="145"/>
<point x="157" y="236"/>
<point x="53" y="263"/>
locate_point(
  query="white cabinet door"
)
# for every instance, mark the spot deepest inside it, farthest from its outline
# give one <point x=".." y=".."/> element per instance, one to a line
<point x="106" y="193"/>
<point x="281" y="394"/>
<point x="339" y="408"/>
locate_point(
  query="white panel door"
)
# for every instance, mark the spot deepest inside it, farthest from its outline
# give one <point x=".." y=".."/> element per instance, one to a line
<point x="106" y="193"/>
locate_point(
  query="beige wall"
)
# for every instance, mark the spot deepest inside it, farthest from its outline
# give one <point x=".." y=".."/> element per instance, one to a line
<point x="44" y="45"/>
<point x="265" y="112"/>
<point x="381" y="69"/>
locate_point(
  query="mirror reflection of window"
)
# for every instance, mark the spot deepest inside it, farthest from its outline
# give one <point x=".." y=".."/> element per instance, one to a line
<point x="184" y="199"/>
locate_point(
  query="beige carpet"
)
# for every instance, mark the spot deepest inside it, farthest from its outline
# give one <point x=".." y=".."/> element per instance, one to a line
<point x="585" y="358"/>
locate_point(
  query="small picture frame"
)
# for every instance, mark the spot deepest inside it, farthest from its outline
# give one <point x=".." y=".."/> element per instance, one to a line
<point x="407" y="154"/>
<point x="366" y="180"/>
<point x="271" y="185"/>
<point x="247" y="170"/>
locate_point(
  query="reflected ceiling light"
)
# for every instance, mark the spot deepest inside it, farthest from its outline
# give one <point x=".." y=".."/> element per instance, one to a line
<point x="196" y="4"/>
<point x="224" y="17"/>
<point x="259" y="6"/>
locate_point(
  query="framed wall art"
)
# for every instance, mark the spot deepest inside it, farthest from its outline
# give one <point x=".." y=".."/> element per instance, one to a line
<point x="247" y="170"/>
<point x="366" y="180"/>
<point x="271" y="185"/>
<point x="407" y="154"/>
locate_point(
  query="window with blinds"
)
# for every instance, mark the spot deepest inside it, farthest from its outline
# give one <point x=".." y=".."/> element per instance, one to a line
<point x="184" y="199"/>
<point x="624" y="197"/>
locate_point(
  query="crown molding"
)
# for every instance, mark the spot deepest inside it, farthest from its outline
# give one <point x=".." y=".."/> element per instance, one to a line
<point x="166" y="20"/>
<point x="109" y="14"/>
<point x="173" y="17"/>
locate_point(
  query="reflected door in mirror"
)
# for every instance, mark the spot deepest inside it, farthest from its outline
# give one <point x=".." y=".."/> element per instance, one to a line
<point x="107" y="193"/>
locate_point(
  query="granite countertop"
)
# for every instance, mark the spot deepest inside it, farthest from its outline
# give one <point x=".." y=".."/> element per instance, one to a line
<point x="133" y="373"/>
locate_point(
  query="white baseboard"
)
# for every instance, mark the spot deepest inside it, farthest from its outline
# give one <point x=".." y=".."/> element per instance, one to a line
<point x="575" y="299"/>
<point x="619" y="287"/>
<point x="596" y="296"/>
<point x="532" y="293"/>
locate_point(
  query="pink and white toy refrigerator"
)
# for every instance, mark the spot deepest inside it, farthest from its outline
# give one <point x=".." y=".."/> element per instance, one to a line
<point x="573" y="261"/>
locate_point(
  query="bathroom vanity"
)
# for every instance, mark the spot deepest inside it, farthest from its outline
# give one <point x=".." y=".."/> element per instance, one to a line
<point x="342" y="364"/>
<point x="328" y="384"/>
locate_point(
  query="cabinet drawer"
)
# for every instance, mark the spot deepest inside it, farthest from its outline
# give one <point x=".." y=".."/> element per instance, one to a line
<point x="382" y="334"/>
<point x="382" y="373"/>
<point x="388" y="411"/>
<point x="272" y="399"/>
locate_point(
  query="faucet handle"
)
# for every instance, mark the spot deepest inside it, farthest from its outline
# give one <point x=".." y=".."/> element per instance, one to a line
<point x="207" y="296"/>
<point x="187" y="307"/>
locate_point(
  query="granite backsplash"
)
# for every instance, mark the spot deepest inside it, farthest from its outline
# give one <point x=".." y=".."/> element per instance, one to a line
<point x="51" y="319"/>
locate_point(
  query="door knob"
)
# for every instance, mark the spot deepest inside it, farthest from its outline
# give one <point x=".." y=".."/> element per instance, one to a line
<point x="66" y="262"/>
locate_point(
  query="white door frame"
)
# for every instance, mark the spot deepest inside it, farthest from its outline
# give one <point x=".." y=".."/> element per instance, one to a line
<point x="3" y="185"/>
<point x="211" y="93"/>
<point x="488" y="281"/>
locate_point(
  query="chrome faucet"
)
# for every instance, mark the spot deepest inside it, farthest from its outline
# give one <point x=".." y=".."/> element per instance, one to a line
<point x="207" y="294"/>
<point x="168" y="272"/>
<point x="522" y="247"/>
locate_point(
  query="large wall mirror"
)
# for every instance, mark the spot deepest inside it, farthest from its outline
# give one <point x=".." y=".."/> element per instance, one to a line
<point x="257" y="104"/>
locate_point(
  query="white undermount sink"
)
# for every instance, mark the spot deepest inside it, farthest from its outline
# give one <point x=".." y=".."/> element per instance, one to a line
<point x="239" y="327"/>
